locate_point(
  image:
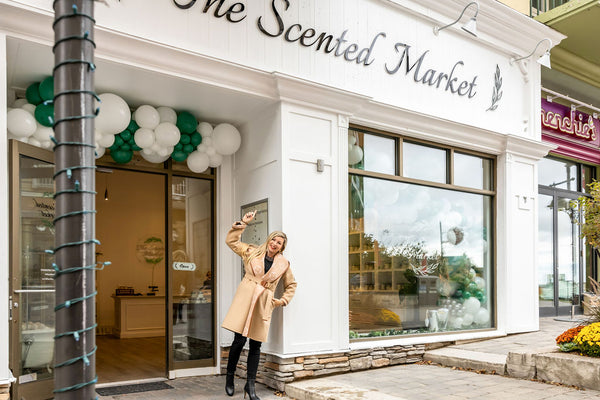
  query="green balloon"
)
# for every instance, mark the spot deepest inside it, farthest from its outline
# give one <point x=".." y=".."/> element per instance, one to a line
<point x="125" y="135"/>
<point x="135" y="147"/>
<point x="458" y="293"/>
<point x="118" y="141"/>
<point x="188" y="148"/>
<point x="32" y="94"/>
<point x="178" y="147"/>
<point x="125" y="147"/>
<point x="185" y="139"/>
<point x="186" y="122"/>
<point x="179" y="156"/>
<point x="44" y="114"/>
<point x="114" y="146"/>
<point x="121" y="156"/>
<point x="196" y="139"/>
<point x="133" y="126"/>
<point x="46" y="88"/>
<point x="466" y="295"/>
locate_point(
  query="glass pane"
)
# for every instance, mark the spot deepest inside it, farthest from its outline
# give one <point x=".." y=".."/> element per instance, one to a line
<point x="568" y="251"/>
<point x="420" y="259"/>
<point x="472" y="171"/>
<point x="372" y="153"/>
<point x="36" y="300"/>
<point x="192" y="287"/>
<point x="586" y="179"/>
<point x="545" y="252"/>
<point x="423" y="162"/>
<point x="558" y="174"/>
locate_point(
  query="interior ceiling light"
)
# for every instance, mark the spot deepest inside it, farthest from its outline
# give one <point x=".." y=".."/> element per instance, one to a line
<point x="470" y="26"/>
<point x="543" y="60"/>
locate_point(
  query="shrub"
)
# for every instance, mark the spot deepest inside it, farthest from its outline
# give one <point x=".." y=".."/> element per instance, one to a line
<point x="588" y="340"/>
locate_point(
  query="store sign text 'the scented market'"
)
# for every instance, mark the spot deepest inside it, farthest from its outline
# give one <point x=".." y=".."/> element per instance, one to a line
<point x="447" y="79"/>
<point x="568" y="121"/>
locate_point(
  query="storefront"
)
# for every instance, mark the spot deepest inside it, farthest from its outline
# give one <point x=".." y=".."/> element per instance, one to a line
<point x="565" y="262"/>
<point x="400" y="160"/>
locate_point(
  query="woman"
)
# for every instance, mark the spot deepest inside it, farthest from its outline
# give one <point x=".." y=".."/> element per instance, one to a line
<point x="250" y="313"/>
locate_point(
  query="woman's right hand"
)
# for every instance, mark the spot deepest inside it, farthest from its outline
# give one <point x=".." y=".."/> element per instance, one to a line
<point x="249" y="216"/>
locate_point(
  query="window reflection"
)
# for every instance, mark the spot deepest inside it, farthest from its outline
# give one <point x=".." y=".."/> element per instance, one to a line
<point x="472" y="171"/>
<point x="559" y="174"/>
<point x="423" y="162"/>
<point x="420" y="258"/>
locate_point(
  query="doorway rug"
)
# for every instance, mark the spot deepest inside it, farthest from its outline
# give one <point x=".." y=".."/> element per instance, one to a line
<point x="142" y="387"/>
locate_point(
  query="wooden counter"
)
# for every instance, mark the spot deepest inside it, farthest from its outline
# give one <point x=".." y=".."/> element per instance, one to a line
<point x="139" y="316"/>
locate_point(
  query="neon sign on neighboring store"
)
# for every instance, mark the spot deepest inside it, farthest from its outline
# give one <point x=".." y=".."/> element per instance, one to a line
<point x="568" y="121"/>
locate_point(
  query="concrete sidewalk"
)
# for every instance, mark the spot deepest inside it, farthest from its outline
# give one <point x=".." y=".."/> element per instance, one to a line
<point x="423" y="380"/>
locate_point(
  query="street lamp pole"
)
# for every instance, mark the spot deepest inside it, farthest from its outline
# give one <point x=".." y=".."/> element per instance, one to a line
<point x="75" y="340"/>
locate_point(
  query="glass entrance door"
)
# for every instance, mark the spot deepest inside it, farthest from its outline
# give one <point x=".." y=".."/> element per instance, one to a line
<point x="192" y="333"/>
<point x="31" y="278"/>
<point x="560" y="253"/>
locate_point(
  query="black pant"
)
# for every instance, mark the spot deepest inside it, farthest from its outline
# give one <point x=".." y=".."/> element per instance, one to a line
<point x="253" y="355"/>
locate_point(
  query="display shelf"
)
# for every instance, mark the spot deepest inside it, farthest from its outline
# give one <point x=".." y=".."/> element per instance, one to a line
<point x="366" y="256"/>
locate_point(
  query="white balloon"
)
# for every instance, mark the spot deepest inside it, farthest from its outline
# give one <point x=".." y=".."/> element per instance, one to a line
<point x="106" y="140"/>
<point x="471" y="305"/>
<point x="20" y="123"/>
<point x="482" y="317"/>
<point x="34" y="142"/>
<point x="207" y="141"/>
<point x="226" y="139"/>
<point x="197" y="162"/>
<point x="457" y="323"/>
<point x="202" y="148"/>
<point x="351" y="140"/>
<point x="43" y="133"/>
<point x="355" y="155"/>
<point x="480" y="282"/>
<point x="114" y="115"/>
<point x="155" y="147"/>
<point x="205" y="129"/>
<point x="30" y="108"/>
<point x="210" y="151"/>
<point x="18" y="103"/>
<point x="467" y="319"/>
<point x="146" y="117"/>
<point x="167" y="134"/>
<point x="148" y="151"/>
<point x="144" y="138"/>
<point x="215" y="160"/>
<point x="100" y="152"/>
<point x="154" y="158"/>
<point x="163" y="152"/>
<point x="167" y="114"/>
<point x="47" y="144"/>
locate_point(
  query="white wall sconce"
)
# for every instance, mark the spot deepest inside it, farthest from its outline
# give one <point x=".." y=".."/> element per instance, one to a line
<point x="543" y="60"/>
<point x="470" y="26"/>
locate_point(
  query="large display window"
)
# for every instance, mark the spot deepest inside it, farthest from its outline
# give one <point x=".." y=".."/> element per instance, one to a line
<point x="420" y="257"/>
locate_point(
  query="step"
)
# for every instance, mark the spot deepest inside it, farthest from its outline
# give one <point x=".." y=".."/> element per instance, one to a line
<point x="328" y="389"/>
<point x="475" y="360"/>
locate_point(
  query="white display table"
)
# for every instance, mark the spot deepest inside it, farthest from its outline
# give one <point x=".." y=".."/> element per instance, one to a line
<point x="139" y="316"/>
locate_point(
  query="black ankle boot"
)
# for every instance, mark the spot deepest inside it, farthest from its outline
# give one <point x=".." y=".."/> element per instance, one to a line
<point x="229" y="385"/>
<point x="249" y="388"/>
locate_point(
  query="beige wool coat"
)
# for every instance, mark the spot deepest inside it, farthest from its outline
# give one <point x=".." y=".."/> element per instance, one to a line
<point x="252" y="306"/>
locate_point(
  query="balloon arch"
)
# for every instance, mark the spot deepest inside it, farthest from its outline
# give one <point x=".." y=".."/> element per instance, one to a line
<point x="156" y="133"/>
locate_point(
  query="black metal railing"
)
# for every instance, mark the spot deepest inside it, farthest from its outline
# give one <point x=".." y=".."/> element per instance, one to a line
<point x="537" y="7"/>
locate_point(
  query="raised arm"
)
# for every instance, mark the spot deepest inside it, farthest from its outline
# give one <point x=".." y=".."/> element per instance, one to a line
<point x="235" y="233"/>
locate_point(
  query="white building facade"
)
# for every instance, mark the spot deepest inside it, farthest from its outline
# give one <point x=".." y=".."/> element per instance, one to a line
<point x="441" y="195"/>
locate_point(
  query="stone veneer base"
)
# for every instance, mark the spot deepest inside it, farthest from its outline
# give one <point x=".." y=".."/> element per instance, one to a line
<point x="275" y="371"/>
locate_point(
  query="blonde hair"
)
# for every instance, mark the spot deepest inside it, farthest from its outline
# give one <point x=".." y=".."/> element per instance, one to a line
<point x="260" y="251"/>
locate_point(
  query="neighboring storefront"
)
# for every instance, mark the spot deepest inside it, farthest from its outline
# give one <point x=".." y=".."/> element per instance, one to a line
<point x="401" y="161"/>
<point x="569" y="111"/>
